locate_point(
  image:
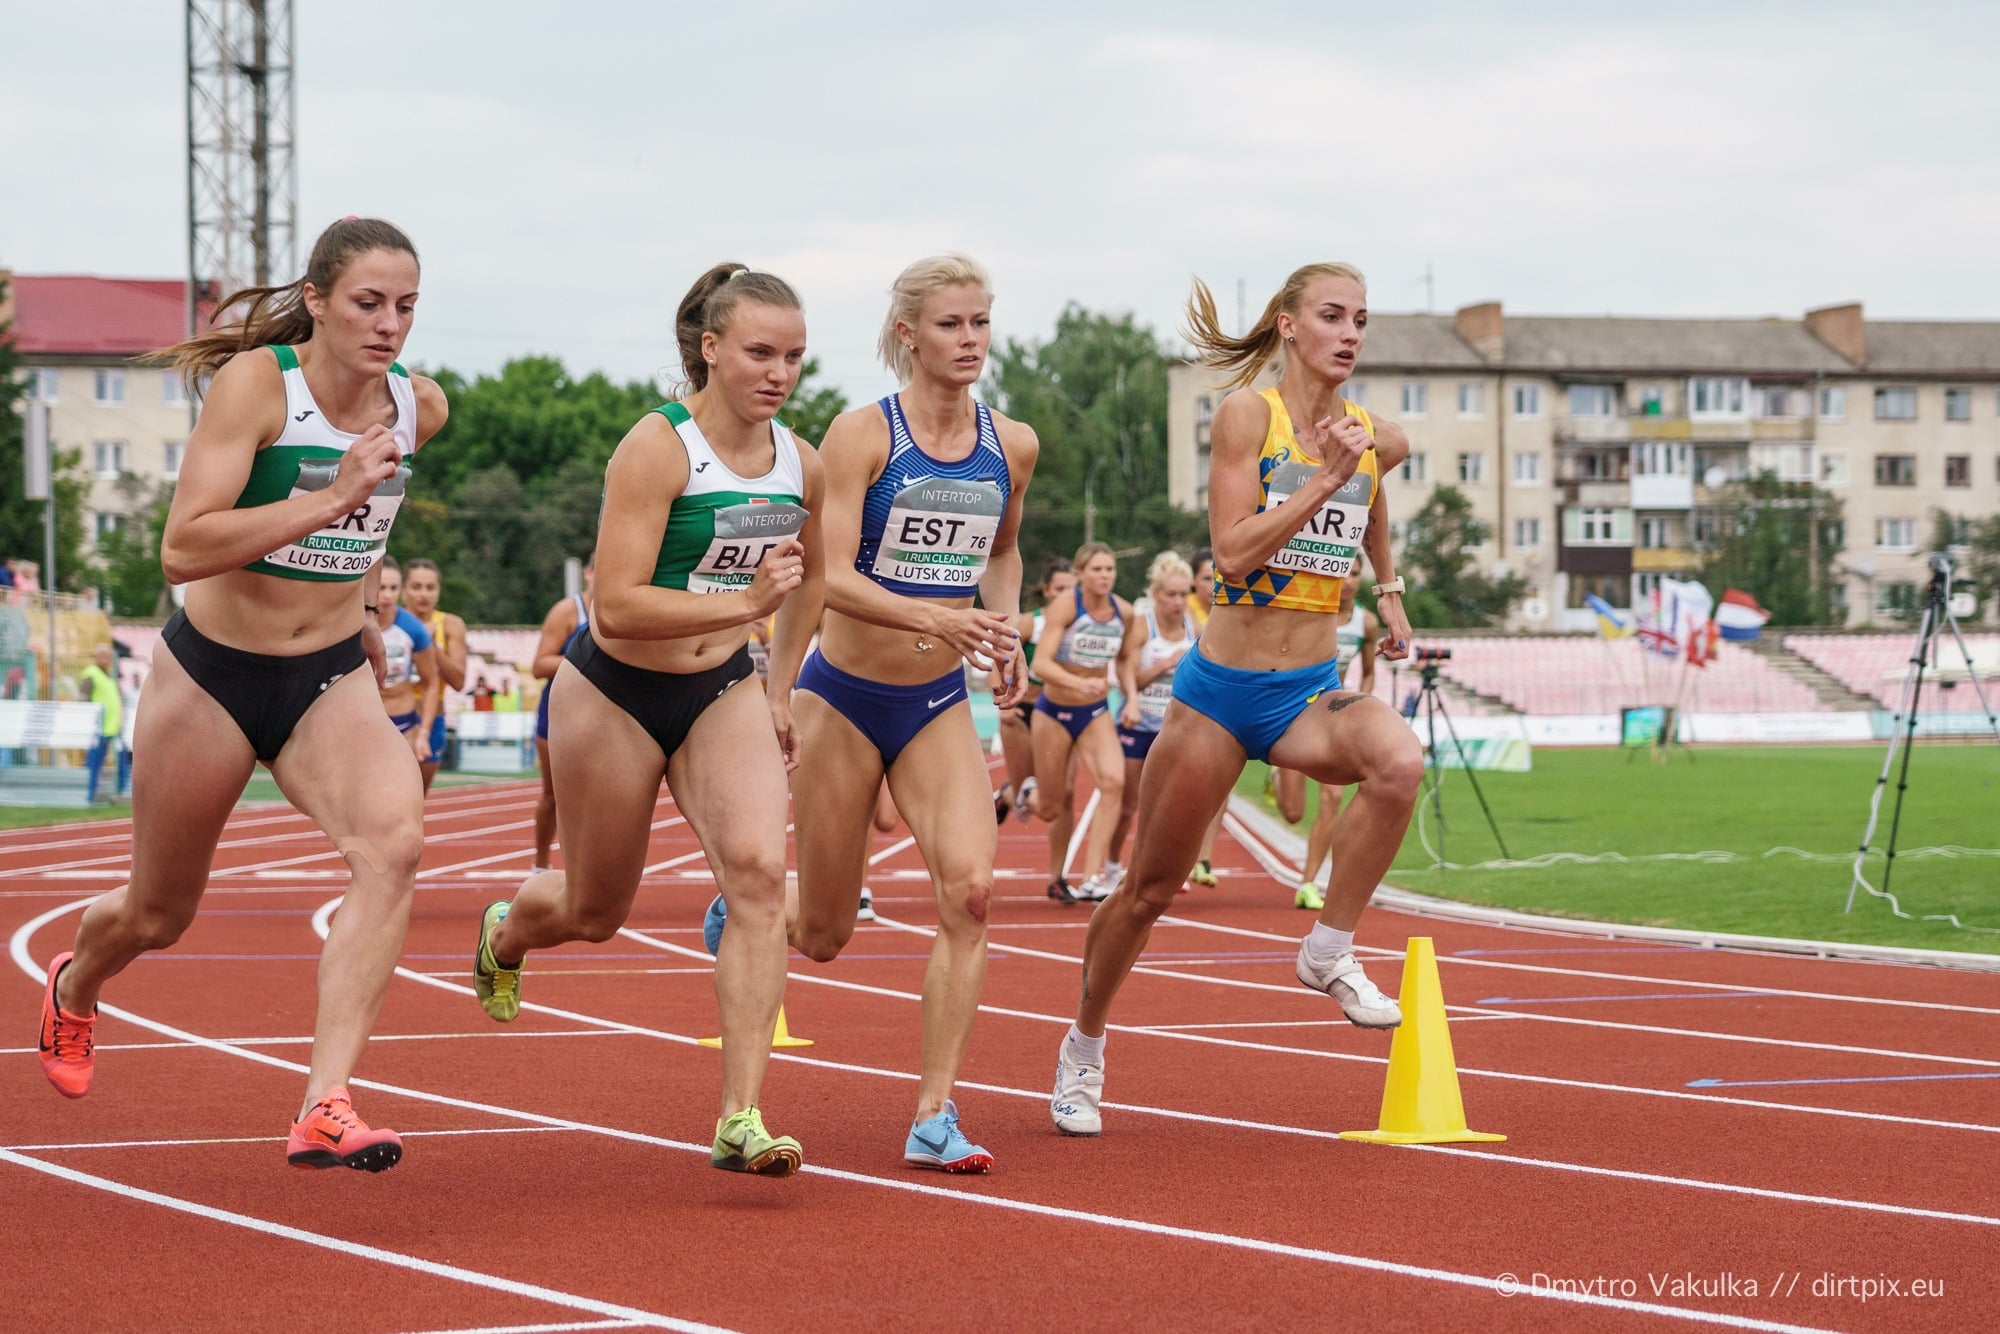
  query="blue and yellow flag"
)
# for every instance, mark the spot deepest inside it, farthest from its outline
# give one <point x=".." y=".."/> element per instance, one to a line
<point x="1609" y="623"/>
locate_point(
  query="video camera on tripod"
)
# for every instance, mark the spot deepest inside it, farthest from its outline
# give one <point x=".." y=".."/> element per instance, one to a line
<point x="1430" y="655"/>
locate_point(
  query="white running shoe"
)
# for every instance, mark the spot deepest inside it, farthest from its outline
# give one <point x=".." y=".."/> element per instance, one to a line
<point x="1079" y="1088"/>
<point x="1024" y="799"/>
<point x="1095" y="889"/>
<point x="867" y="911"/>
<point x="1363" y="1003"/>
<point x="1114" y="874"/>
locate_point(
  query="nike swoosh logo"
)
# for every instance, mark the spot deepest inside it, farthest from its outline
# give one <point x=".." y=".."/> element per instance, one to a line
<point x="302" y="416"/>
<point x="333" y="1137"/>
<point x="329" y="681"/>
<point x="933" y="703"/>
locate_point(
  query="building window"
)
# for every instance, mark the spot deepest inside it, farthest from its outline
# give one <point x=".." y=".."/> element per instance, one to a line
<point x="1471" y="399"/>
<point x="1653" y="532"/>
<point x="1417" y="467"/>
<point x="172" y="467"/>
<point x="1597" y="527"/>
<point x="107" y="524"/>
<point x="1416" y="398"/>
<point x="1528" y="469"/>
<point x="1707" y="528"/>
<point x="42" y="381"/>
<point x="1957" y="530"/>
<point x="1895" y="405"/>
<point x="1958" y="405"/>
<point x="108" y="457"/>
<point x="173" y="389"/>
<point x="1833" y="403"/>
<point x="1590" y="400"/>
<point x="1895" y="470"/>
<point x="1660" y="460"/>
<point x="1652" y="401"/>
<point x="1896" y="534"/>
<point x="1356" y="392"/>
<point x="1471" y="467"/>
<point x="1774" y="401"/>
<point x="1644" y="586"/>
<point x="1896" y="601"/>
<point x="1527" y="532"/>
<point x="1833" y="470"/>
<point x="1717" y="396"/>
<point x="1958" y="470"/>
<point x="109" y="387"/>
<point x="1527" y="400"/>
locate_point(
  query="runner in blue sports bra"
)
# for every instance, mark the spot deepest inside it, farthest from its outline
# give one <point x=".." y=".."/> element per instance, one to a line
<point x="1155" y="642"/>
<point x="923" y="503"/>
<point x="1016" y="740"/>
<point x="284" y="505"/>
<point x="565" y="621"/>
<point x="1295" y="497"/>
<point x="1073" y="719"/>
<point x="709" y="525"/>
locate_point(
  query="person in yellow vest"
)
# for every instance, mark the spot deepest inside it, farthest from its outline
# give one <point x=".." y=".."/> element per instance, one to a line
<point x="99" y="684"/>
<point x="422" y="584"/>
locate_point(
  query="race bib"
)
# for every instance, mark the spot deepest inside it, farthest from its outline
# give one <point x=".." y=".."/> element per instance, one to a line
<point x="1096" y="645"/>
<point x="1154" y="697"/>
<point x="1331" y="539"/>
<point x="352" y="544"/>
<point x="939" y="534"/>
<point x="399" y="658"/>
<point x="744" y="535"/>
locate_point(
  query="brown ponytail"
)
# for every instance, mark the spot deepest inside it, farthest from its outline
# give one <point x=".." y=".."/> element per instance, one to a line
<point x="711" y="301"/>
<point x="1249" y="354"/>
<point x="278" y="314"/>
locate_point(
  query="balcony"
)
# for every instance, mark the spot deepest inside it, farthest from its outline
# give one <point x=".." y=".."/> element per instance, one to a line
<point x="1595" y="492"/>
<point x="1662" y="491"/>
<point x="1573" y="430"/>
<point x="1663" y="560"/>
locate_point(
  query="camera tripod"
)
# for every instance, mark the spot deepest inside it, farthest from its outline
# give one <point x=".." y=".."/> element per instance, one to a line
<point x="1431" y="701"/>
<point x="1937" y="616"/>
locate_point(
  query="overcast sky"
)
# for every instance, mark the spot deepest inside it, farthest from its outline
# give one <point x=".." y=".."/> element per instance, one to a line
<point x="567" y="169"/>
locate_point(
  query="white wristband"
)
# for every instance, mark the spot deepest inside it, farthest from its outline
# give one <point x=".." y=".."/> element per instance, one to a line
<point x="1393" y="586"/>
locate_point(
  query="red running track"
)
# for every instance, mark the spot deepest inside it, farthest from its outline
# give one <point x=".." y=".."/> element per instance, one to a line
<point x="1842" y="1176"/>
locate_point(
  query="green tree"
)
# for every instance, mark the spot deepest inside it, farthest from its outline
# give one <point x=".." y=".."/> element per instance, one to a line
<point x="21" y="529"/>
<point x="1777" y="541"/>
<point x="1096" y="394"/>
<point x="812" y="408"/>
<point x="128" y="557"/>
<point x="1445" y="589"/>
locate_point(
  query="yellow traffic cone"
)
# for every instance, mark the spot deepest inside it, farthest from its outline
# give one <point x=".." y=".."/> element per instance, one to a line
<point x="782" y="1038"/>
<point x="1420" y="1101"/>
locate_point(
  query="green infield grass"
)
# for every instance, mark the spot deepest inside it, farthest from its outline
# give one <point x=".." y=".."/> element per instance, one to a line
<point x="1749" y="801"/>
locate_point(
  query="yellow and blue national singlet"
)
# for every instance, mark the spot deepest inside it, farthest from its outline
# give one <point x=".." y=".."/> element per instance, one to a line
<point x="1307" y="572"/>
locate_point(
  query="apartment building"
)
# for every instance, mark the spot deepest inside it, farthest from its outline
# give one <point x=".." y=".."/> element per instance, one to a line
<point x="1599" y="450"/>
<point x="77" y="337"/>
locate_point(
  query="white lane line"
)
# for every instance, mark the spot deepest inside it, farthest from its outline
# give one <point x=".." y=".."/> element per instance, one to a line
<point x="543" y="1329"/>
<point x="1244" y="837"/>
<point x="1484" y="1282"/>
<point x="356" y="1249"/>
<point x="1554" y="1081"/>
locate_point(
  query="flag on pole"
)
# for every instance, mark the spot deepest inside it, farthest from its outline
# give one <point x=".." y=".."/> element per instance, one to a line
<point x="1739" y="616"/>
<point x="1609" y="623"/>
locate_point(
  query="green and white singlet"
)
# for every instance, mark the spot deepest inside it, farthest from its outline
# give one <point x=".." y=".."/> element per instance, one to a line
<point x="304" y="459"/>
<point x="722" y="525"/>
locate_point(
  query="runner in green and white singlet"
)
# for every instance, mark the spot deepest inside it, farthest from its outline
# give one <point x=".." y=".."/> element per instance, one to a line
<point x="708" y="528"/>
<point x="285" y="498"/>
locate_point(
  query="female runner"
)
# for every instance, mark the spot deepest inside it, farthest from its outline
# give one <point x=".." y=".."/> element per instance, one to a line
<point x="1073" y="719"/>
<point x="412" y="693"/>
<point x="1294" y="495"/>
<point x="423" y="584"/>
<point x="560" y="628"/>
<point x="290" y="484"/>
<point x="707" y="528"/>
<point x="1156" y="640"/>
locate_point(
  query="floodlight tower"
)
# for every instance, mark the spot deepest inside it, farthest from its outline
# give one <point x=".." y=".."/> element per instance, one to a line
<point x="243" y="209"/>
